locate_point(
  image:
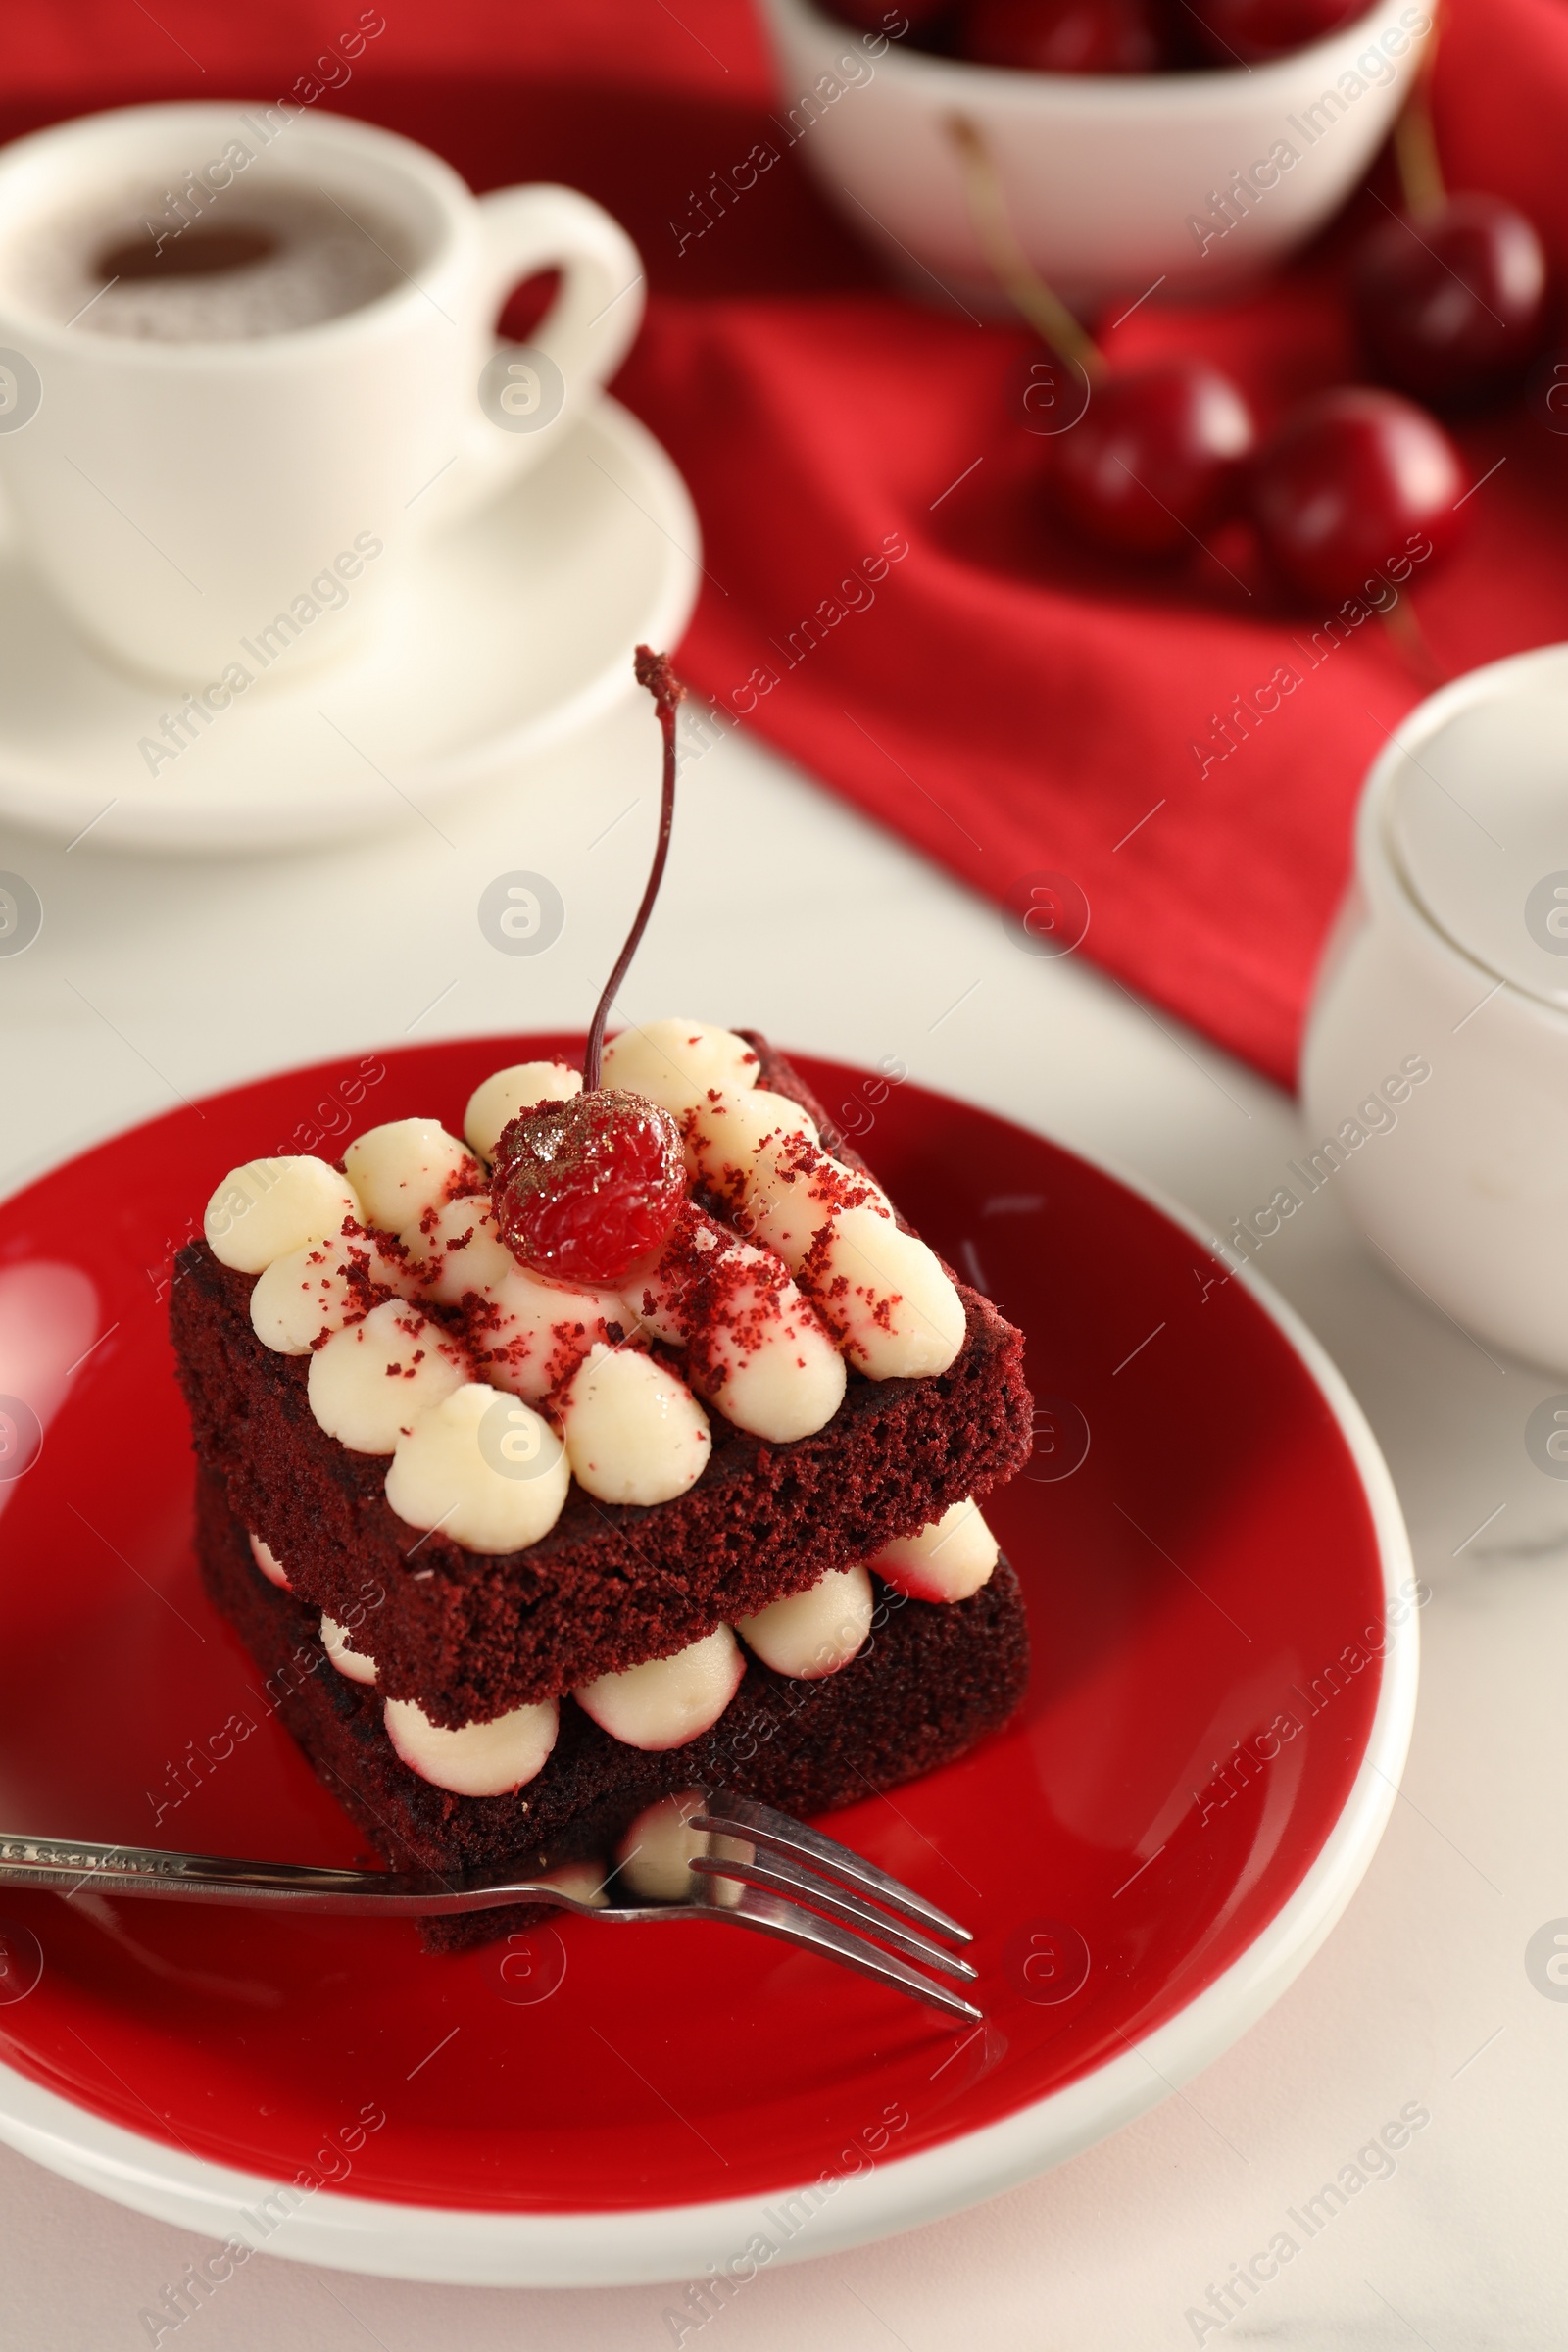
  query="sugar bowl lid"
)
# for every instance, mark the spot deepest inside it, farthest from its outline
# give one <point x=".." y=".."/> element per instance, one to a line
<point x="1475" y="818"/>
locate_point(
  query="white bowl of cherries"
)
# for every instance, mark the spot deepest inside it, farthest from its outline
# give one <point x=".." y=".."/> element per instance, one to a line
<point x="1355" y="492"/>
<point x="1189" y="142"/>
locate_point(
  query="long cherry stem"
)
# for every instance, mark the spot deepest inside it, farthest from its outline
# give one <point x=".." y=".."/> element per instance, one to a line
<point x="654" y="672"/>
<point x="1411" y="640"/>
<point x="1009" y="264"/>
<point x="1415" y="153"/>
<point x="1415" y="141"/>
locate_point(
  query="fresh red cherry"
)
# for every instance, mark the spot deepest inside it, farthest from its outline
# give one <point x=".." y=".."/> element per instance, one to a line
<point x="1154" y="456"/>
<point x="1063" y="36"/>
<point x="583" y="1189"/>
<point x="1251" y="29"/>
<point x="1453" y="304"/>
<point x="1351" y="480"/>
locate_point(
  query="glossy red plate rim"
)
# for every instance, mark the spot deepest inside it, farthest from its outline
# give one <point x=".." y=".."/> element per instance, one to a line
<point x="664" y="2241"/>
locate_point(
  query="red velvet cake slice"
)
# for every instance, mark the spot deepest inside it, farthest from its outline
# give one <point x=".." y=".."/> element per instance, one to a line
<point x="585" y="1437"/>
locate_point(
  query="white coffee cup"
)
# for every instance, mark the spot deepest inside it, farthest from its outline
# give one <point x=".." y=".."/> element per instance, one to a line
<point x="179" y="498"/>
<point x="1436" y="1060"/>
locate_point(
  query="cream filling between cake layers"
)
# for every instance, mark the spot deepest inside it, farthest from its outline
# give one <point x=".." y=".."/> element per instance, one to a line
<point x="655" y="1855"/>
<point x="666" y="1704"/>
<point x="946" y="1560"/>
<point x="268" y="1564"/>
<point x="486" y="1423"/>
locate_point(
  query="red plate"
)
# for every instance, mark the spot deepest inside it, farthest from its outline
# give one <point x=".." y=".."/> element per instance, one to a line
<point x="1209" y="1559"/>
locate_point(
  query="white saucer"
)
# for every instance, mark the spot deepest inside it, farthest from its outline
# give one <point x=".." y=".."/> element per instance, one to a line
<point x="512" y="633"/>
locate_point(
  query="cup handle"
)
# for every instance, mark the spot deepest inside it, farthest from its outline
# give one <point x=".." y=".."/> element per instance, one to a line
<point x="583" y="336"/>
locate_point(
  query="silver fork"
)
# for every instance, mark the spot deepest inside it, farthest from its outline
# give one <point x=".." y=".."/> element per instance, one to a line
<point x="765" y="1859"/>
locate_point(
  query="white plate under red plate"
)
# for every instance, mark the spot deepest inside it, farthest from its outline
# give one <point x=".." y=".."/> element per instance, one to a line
<point x="1224" y="1674"/>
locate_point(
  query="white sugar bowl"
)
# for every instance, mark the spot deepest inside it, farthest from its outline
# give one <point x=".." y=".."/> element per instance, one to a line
<point x="1435" y="1072"/>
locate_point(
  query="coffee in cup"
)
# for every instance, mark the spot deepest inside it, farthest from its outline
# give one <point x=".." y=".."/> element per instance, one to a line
<point x="263" y="262"/>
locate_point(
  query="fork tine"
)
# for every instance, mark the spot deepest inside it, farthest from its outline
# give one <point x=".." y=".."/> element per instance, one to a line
<point x="780" y="1875"/>
<point x="772" y="1916"/>
<point x="739" y="1817"/>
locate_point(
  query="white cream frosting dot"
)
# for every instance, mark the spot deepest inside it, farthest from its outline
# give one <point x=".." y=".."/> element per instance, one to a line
<point x="814" y="1633"/>
<point x="355" y="1665"/>
<point x="529" y="1334"/>
<point x="790" y="1196"/>
<point x="483" y="1759"/>
<point x="298" y="1296"/>
<point x="899" y="1316"/>
<point x="481" y="1466"/>
<point x="776" y="1371"/>
<point x="402" y="1169"/>
<point x="757" y="1350"/>
<point x="726" y="1129"/>
<point x="506" y="1092"/>
<point x="654" y="1854"/>
<point x="370" y="1383"/>
<point x="947" y="1560"/>
<point x="458" y="1248"/>
<point x="882" y="1292"/>
<point x="584" y="1882"/>
<point x="270" y="1566"/>
<point x="270" y="1207"/>
<point x="668" y="1701"/>
<point x="634" y="1431"/>
<point x="675" y="1063"/>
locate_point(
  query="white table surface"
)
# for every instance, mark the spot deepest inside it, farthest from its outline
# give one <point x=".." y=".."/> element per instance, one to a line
<point x="782" y="909"/>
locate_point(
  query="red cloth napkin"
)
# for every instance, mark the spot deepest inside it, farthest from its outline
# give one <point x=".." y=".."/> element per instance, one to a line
<point x="1004" y="699"/>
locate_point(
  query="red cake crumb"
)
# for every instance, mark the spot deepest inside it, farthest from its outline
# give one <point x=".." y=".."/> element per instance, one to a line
<point x="466" y="1182"/>
<point x="835" y="1185"/>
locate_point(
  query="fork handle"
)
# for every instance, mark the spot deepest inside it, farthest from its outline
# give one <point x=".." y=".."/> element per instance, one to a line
<point x="66" y="1865"/>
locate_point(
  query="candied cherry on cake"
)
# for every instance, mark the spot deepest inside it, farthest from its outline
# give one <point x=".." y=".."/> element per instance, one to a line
<point x="1155" y="456"/>
<point x="1453" y="304"/>
<point x="1253" y="30"/>
<point x="1063" y="36"/>
<point x="583" y="1189"/>
<point x="1350" y="481"/>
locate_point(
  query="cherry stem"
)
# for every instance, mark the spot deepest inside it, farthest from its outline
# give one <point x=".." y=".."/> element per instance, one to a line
<point x="654" y="672"/>
<point x="1415" y="141"/>
<point x="1005" y="258"/>
<point x="1411" y="640"/>
<point x="1415" y="153"/>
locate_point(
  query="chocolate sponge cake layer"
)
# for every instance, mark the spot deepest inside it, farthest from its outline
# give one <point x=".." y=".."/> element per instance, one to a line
<point x="471" y="1634"/>
<point x="931" y="1680"/>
